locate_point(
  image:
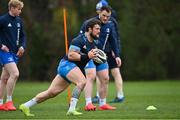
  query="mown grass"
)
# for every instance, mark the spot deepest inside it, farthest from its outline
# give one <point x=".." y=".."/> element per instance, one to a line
<point x="165" y="95"/>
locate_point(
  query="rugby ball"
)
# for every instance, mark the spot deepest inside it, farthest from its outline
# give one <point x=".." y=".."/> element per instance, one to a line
<point x="100" y="56"/>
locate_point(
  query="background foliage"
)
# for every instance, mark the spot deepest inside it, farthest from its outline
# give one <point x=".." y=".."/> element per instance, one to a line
<point x="149" y="36"/>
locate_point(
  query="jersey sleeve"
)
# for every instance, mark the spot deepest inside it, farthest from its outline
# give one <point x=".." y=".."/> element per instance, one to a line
<point x="118" y="33"/>
<point x="76" y="45"/>
<point x="114" y="41"/>
<point x="22" y="36"/>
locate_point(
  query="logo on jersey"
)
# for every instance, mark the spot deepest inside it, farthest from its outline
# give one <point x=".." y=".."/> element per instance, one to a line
<point x="81" y="31"/>
<point x="18" y="25"/>
<point x="84" y="47"/>
<point x="9" y="25"/>
<point x="10" y="59"/>
<point x="107" y="30"/>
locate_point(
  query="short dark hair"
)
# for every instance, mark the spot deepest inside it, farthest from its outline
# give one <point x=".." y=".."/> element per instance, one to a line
<point x="106" y="8"/>
<point x="91" y="23"/>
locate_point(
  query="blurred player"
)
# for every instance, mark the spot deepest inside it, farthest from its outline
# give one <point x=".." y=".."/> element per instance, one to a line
<point x="12" y="44"/>
<point x="70" y="69"/>
<point x="102" y="3"/>
<point x="113" y="66"/>
<point x="107" y="41"/>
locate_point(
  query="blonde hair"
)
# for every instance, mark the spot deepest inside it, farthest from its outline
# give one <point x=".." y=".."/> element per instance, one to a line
<point x="15" y="3"/>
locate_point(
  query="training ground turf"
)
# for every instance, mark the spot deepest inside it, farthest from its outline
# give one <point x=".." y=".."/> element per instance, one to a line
<point x="165" y="95"/>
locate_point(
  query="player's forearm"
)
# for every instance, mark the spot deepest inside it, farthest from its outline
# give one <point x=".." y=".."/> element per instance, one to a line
<point x="74" y="56"/>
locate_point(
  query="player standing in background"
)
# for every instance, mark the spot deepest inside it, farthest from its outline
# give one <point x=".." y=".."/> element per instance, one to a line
<point x="12" y="44"/>
<point x="107" y="40"/>
<point x="113" y="66"/>
<point x="70" y="69"/>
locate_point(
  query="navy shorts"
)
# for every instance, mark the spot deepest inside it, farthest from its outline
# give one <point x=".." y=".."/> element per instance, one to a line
<point x="8" y="57"/>
<point x="111" y="61"/>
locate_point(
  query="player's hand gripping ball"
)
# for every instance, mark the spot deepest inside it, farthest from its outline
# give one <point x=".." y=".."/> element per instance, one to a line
<point x="100" y="56"/>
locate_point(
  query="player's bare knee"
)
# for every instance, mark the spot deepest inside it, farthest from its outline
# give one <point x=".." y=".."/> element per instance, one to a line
<point x="15" y="75"/>
<point x="91" y="76"/>
<point x="105" y="80"/>
<point x="81" y="84"/>
<point x="4" y="80"/>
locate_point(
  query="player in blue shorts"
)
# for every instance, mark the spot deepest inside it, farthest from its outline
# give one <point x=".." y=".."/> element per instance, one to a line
<point x="70" y="69"/>
<point x="114" y="67"/>
<point x="12" y="47"/>
<point x="107" y="40"/>
<point x="101" y="70"/>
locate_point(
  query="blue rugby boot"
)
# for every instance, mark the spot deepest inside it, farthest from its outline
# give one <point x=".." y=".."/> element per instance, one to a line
<point x="117" y="100"/>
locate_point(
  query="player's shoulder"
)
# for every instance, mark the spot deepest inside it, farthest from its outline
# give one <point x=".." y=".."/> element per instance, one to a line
<point x="19" y="19"/>
<point x="111" y="23"/>
<point x="78" y="39"/>
<point x="113" y="19"/>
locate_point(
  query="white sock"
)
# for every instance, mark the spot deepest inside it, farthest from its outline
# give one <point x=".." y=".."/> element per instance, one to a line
<point x="1" y="101"/>
<point x="102" y="101"/>
<point x="97" y="94"/>
<point x="9" y="98"/>
<point x="88" y="100"/>
<point x="73" y="104"/>
<point x="30" y="103"/>
<point x="120" y="95"/>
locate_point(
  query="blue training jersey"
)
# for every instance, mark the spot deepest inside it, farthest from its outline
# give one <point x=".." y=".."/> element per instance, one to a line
<point x="11" y="32"/>
<point x="108" y="40"/>
<point x="83" y="46"/>
<point x="113" y="19"/>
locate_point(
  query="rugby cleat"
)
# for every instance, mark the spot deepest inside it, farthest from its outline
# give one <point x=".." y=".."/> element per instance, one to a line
<point x="3" y="108"/>
<point x="26" y="110"/>
<point x="117" y="100"/>
<point x="95" y="99"/>
<point x="106" y="107"/>
<point x="74" y="112"/>
<point x="9" y="105"/>
<point x="90" y="107"/>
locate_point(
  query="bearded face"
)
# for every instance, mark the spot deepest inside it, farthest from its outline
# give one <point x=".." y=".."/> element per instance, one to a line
<point x="95" y="32"/>
<point x="95" y="37"/>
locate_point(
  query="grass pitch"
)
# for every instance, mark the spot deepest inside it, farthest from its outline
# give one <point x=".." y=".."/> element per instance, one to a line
<point x="165" y="95"/>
